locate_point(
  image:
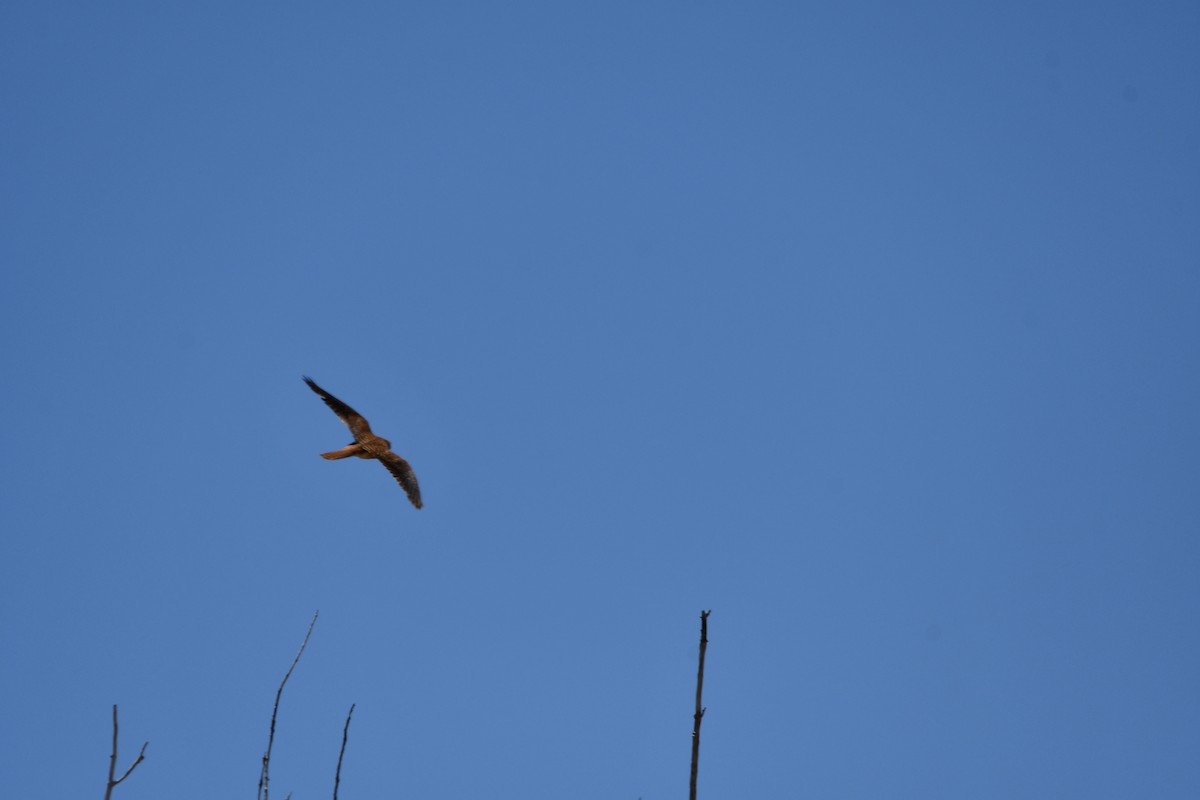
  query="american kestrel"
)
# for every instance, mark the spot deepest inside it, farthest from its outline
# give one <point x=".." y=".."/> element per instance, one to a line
<point x="368" y="445"/>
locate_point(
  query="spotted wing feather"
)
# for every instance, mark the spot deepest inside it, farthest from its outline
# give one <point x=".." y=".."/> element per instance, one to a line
<point x="354" y="421"/>
<point x="404" y="475"/>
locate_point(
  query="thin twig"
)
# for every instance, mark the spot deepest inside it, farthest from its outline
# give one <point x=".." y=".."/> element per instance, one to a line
<point x="699" y="708"/>
<point x="265" y="780"/>
<point x="112" y="762"/>
<point x="337" y="778"/>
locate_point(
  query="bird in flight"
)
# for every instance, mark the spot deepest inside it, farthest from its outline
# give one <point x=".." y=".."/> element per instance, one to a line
<point x="368" y="445"/>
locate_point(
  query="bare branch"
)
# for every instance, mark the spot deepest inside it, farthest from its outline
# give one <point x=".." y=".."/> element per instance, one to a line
<point x="265" y="780"/>
<point x="699" y="715"/>
<point x="112" y="761"/>
<point x="337" y="778"/>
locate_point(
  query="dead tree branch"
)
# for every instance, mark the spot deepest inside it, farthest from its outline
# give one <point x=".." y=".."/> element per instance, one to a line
<point x="699" y="708"/>
<point x="337" y="778"/>
<point x="265" y="780"/>
<point x="112" y="762"/>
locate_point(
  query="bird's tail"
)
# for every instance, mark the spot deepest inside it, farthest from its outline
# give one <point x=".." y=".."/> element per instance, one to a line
<point x="345" y="452"/>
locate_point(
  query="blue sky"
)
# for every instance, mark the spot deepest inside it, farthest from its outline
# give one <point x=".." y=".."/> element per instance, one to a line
<point x="874" y="329"/>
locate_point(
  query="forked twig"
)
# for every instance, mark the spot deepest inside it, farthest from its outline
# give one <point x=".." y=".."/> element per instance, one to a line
<point x="699" y="708"/>
<point x="265" y="780"/>
<point x="112" y="762"/>
<point x="337" y="778"/>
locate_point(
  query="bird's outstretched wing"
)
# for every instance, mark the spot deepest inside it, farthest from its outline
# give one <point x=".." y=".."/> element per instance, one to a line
<point x="404" y="475"/>
<point x="354" y="421"/>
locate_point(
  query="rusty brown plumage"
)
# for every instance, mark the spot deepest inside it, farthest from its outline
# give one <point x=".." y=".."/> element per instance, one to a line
<point x="367" y="445"/>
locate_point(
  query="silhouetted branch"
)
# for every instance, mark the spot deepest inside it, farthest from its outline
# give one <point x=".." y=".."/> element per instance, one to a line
<point x="265" y="780"/>
<point x="112" y="762"/>
<point x="699" y="708"/>
<point x="337" y="778"/>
